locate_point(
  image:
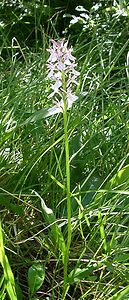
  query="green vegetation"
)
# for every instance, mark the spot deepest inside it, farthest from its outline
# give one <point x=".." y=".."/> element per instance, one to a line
<point x="80" y="155"/>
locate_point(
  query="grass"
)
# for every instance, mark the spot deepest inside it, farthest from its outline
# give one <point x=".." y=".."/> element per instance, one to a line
<point x="33" y="176"/>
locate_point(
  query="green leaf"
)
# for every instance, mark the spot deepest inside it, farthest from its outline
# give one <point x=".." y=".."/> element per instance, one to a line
<point x="122" y="257"/>
<point x="18" y="291"/>
<point x="8" y="274"/>
<point x="124" y="294"/>
<point x="56" y="234"/>
<point x="81" y="274"/>
<point x="118" y="183"/>
<point x="120" y="179"/>
<point x="36" y="275"/>
<point x="41" y="114"/>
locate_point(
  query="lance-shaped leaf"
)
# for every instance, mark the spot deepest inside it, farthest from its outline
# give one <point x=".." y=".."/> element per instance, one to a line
<point x="55" y="231"/>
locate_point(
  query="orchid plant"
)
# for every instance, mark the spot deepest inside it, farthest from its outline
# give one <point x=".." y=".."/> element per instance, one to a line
<point x="63" y="76"/>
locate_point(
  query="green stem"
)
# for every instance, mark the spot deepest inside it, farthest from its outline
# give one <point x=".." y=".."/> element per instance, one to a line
<point x="66" y="259"/>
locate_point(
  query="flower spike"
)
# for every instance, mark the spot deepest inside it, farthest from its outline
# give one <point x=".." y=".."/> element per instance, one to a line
<point x="61" y="65"/>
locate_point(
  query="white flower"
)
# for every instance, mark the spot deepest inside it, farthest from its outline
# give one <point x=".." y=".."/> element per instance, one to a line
<point x="61" y="65"/>
<point x="70" y="98"/>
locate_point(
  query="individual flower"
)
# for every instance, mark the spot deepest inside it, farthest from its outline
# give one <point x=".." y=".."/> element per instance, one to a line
<point x="61" y="65"/>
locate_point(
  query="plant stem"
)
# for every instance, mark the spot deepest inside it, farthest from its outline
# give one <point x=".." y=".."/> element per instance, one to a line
<point x="66" y="259"/>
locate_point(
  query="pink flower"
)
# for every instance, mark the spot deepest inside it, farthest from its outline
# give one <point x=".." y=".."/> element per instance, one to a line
<point x="61" y="65"/>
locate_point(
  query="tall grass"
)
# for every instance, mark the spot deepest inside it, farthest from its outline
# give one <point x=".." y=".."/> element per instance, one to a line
<point x="33" y="176"/>
<point x="7" y="280"/>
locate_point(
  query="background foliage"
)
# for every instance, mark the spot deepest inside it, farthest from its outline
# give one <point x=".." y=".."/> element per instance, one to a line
<point x="32" y="166"/>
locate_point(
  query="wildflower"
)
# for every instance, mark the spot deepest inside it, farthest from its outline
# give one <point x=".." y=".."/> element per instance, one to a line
<point x="61" y="65"/>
